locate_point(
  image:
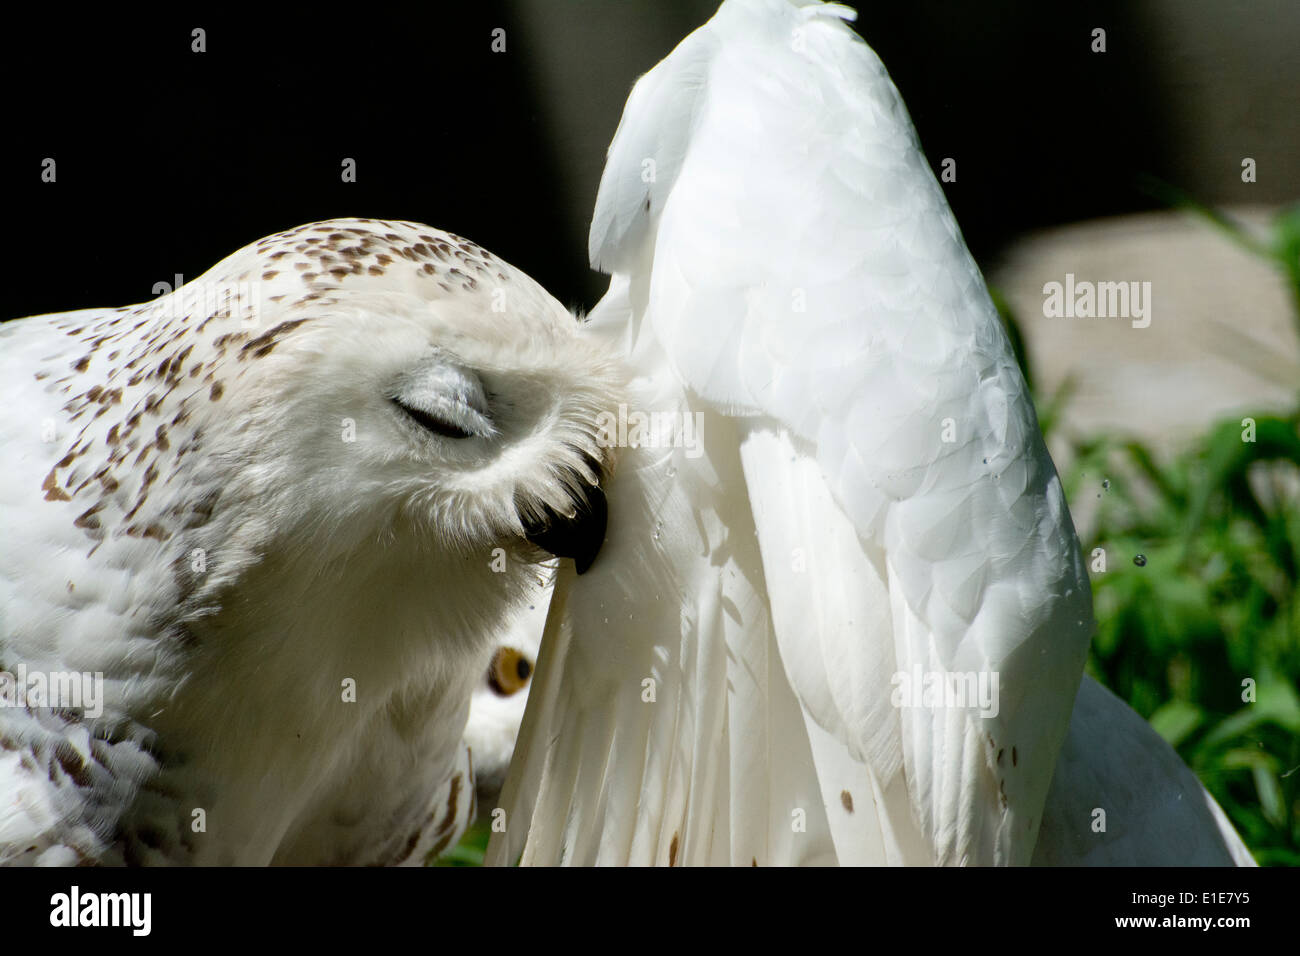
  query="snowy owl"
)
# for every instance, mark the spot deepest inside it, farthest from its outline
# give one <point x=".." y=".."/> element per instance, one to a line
<point x="261" y="536"/>
<point x="842" y="613"/>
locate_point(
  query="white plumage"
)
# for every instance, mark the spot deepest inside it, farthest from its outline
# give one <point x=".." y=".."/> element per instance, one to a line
<point x="285" y="511"/>
<point x="870" y="500"/>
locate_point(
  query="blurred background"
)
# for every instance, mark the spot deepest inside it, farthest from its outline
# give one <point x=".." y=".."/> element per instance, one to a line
<point x="1177" y="442"/>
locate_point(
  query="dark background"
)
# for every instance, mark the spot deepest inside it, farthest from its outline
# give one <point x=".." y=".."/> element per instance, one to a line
<point x="169" y="160"/>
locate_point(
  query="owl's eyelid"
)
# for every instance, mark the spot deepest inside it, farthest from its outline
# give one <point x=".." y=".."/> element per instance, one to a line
<point x="444" y="398"/>
<point x="433" y="423"/>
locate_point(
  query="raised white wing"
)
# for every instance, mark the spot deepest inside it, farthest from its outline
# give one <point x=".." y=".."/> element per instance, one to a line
<point x="871" y="510"/>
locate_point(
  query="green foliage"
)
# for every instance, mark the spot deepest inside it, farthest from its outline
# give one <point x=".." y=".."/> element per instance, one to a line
<point x="470" y="850"/>
<point x="1211" y="615"/>
<point x="1213" y="612"/>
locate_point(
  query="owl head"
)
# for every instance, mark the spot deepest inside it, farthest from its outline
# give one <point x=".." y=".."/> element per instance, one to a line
<point x="397" y="414"/>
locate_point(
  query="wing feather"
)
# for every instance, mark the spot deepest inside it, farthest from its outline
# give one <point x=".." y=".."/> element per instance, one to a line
<point x="871" y="506"/>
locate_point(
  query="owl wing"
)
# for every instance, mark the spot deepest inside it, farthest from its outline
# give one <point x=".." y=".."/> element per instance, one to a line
<point x="854" y="512"/>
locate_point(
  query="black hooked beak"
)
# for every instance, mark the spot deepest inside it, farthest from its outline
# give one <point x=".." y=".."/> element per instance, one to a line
<point x="577" y="535"/>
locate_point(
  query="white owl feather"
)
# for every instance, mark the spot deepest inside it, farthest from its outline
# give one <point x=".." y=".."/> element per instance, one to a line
<point x="869" y="503"/>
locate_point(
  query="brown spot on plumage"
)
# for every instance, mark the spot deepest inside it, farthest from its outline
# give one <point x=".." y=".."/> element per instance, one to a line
<point x="672" y="851"/>
<point x="201" y="511"/>
<point x="229" y="338"/>
<point x="51" y="484"/>
<point x="264" y="343"/>
<point x="453" y="798"/>
<point x="414" y="839"/>
<point x="216" y="391"/>
<point x="87" y="520"/>
<point x="438" y="847"/>
<point x="72" y="763"/>
<point x="846" y="799"/>
<point x="82" y="363"/>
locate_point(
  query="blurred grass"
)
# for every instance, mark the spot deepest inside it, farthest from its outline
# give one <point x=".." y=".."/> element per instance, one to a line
<point x="470" y="850"/>
<point x="1211" y="613"/>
